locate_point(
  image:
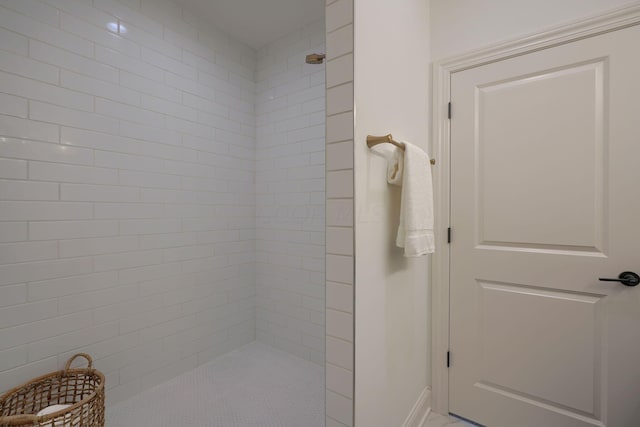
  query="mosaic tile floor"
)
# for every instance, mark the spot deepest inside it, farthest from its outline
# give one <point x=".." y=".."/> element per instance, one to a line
<point x="253" y="386"/>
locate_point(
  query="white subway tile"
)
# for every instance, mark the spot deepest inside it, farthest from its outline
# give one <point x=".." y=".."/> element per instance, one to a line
<point x="98" y="193"/>
<point x="128" y="161"/>
<point x="290" y="164"/>
<point x="168" y="107"/>
<point x="127" y="63"/>
<point x="127" y="112"/>
<point x="25" y="190"/>
<point x="13" y="106"/>
<point x="27" y="313"/>
<point x="340" y="155"/>
<point x="340" y="297"/>
<point x="188" y="85"/>
<point x="330" y="422"/>
<point x="32" y="89"/>
<point x="204" y="65"/>
<point x="339" y="14"/>
<point x="18" y="64"/>
<point x="70" y="61"/>
<point x="149" y="179"/>
<point x="339" y="380"/>
<point x="149" y="87"/>
<point x="12" y="358"/>
<point x="130" y="14"/>
<point x="152" y="272"/>
<point x="100" y="35"/>
<point x="42" y="270"/>
<point x="65" y="116"/>
<point x="43" y="32"/>
<point x="13" y="295"/>
<point x="15" y="169"/>
<point x="339" y="240"/>
<point x="164" y="11"/>
<point x="144" y="38"/>
<point x="119" y="261"/>
<point x="26" y="372"/>
<point x="99" y="88"/>
<point x="204" y="129"/>
<point x="97" y="246"/>
<point x="29" y="332"/>
<point x="82" y="9"/>
<point x="340" y="353"/>
<point x="339" y="407"/>
<point x="168" y="240"/>
<point x="13" y="42"/>
<point x="13" y="231"/>
<point x="34" y="9"/>
<point x="149" y="226"/>
<point x="28" y="251"/>
<point x="33" y="150"/>
<point x="98" y="140"/>
<point x="339" y="213"/>
<point x="33" y="211"/>
<point x="340" y="99"/>
<point x="52" y="230"/>
<point x="28" y="129"/>
<point x="340" y="268"/>
<point x="55" y="288"/>
<point x="70" y="341"/>
<point x="340" y="42"/>
<point x="340" y="184"/>
<point x="95" y="299"/>
<point x="149" y="133"/>
<point x="340" y="324"/>
<point x="71" y="173"/>
<point x="166" y="63"/>
<point x="340" y="71"/>
<point x="128" y="210"/>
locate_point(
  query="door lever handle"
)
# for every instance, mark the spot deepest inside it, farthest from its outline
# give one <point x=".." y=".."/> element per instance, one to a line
<point x="627" y="278"/>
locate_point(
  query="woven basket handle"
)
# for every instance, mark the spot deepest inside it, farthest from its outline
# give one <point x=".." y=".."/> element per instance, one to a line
<point x="85" y="355"/>
<point x="19" y="420"/>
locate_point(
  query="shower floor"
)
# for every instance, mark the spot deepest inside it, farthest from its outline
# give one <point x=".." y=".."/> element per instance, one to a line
<point x="253" y="386"/>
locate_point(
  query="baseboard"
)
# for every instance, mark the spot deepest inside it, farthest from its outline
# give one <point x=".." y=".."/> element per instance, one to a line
<point x="420" y="411"/>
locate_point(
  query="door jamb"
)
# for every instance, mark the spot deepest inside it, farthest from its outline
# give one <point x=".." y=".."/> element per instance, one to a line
<point x="612" y="20"/>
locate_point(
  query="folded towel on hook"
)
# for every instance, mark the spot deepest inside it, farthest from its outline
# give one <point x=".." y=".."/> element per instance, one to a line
<point x="411" y="169"/>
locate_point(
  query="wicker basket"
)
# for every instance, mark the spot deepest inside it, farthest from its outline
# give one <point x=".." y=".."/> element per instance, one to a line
<point x="83" y="389"/>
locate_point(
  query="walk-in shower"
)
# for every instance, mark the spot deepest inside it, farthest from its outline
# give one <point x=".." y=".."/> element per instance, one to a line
<point x="162" y="205"/>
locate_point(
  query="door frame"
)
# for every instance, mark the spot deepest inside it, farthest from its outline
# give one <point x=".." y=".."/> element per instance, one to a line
<point x="608" y="21"/>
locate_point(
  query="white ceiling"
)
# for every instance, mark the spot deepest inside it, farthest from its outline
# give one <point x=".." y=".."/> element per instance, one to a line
<point x="258" y="22"/>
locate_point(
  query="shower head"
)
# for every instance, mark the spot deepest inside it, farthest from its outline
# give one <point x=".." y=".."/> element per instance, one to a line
<point x="315" y="58"/>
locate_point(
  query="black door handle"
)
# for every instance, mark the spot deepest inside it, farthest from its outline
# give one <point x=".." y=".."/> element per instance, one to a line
<point x="627" y="278"/>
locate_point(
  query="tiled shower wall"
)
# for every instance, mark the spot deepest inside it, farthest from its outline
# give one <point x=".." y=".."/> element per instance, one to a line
<point x="290" y="108"/>
<point x="340" y="211"/>
<point x="127" y="212"/>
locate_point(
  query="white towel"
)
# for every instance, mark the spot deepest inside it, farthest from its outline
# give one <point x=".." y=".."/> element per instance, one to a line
<point x="412" y="170"/>
<point x="58" y="421"/>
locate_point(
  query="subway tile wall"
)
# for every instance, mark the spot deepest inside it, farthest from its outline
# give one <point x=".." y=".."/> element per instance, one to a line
<point x="127" y="190"/>
<point x="339" y="224"/>
<point x="290" y="181"/>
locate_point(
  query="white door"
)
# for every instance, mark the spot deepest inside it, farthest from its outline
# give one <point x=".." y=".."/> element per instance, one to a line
<point x="545" y="200"/>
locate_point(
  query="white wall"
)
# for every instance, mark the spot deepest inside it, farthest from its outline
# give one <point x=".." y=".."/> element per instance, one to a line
<point x="127" y="209"/>
<point x="392" y="300"/>
<point x="458" y="26"/>
<point x="290" y="108"/>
